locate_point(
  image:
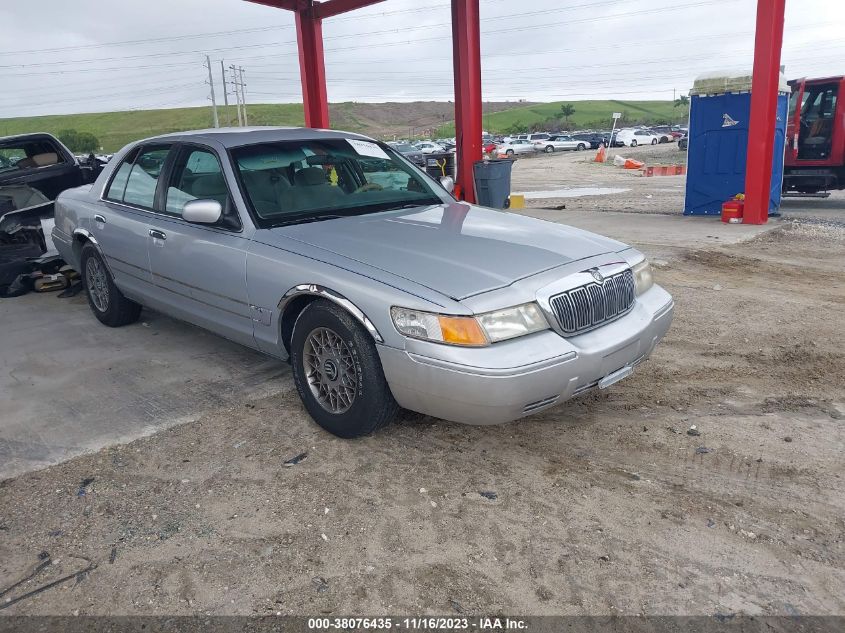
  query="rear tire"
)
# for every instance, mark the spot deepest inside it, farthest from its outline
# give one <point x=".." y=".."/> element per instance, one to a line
<point x="581" y="147"/>
<point x="107" y="302"/>
<point x="550" y="149"/>
<point x="509" y="152"/>
<point x="338" y="373"/>
<point x="634" y="143"/>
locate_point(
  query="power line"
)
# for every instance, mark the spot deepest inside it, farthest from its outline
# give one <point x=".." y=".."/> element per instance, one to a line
<point x="402" y="29"/>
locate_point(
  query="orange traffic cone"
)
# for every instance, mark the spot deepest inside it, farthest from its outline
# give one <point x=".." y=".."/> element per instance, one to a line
<point x="601" y="155"/>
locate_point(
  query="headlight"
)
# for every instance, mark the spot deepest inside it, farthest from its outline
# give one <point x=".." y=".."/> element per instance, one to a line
<point x="479" y="331"/>
<point x="643" y="279"/>
<point x="502" y="325"/>
<point x="455" y="330"/>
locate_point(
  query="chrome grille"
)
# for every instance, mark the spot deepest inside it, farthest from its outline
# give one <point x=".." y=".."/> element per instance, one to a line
<point x="587" y="307"/>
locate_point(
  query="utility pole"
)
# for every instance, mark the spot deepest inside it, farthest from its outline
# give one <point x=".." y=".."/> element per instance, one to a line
<point x="243" y="94"/>
<point x="211" y="85"/>
<point x="234" y="82"/>
<point x="225" y="94"/>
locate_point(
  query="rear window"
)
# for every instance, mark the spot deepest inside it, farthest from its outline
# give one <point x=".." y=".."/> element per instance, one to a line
<point x="29" y="154"/>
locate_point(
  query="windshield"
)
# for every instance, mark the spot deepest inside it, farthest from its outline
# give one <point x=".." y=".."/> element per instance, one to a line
<point x="405" y="148"/>
<point x="295" y="181"/>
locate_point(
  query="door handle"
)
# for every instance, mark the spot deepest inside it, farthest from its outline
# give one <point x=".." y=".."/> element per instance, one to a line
<point x="100" y="219"/>
<point x="159" y="235"/>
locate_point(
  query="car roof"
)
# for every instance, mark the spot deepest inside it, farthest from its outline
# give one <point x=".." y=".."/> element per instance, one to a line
<point x="30" y="136"/>
<point x="238" y="136"/>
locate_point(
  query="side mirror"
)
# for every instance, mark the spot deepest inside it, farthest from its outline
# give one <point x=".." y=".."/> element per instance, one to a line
<point x="448" y="183"/>
<point x="202" y="211"/>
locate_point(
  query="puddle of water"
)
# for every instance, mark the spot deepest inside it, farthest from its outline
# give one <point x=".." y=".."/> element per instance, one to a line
<point x="572" y="192"/>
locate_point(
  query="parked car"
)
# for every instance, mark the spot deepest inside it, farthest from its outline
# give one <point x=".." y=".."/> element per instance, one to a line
<point x="594" y="140"/>
<point x="560" y="143"/>
<point x="663" y="133"/>
<point x="410" y="152"/>
<point x="531" y="138"/>
<point x="633" y="137"/>
<point x="428" y="147"/>
<point x="683" y="142"/>
<point x="327" y="249"/>
<point x="34" y="169"/>
<point x="516" y="146"/>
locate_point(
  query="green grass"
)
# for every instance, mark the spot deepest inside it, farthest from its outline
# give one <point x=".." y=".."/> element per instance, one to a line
<point x="587" y="114"/>
<point x="116" y="129"/>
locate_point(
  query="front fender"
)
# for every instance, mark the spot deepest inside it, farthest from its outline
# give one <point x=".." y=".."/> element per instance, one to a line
<point x="327" y="293"/>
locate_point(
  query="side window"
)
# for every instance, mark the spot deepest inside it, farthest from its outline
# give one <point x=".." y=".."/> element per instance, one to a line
<point x="118" y="183"/>
<point x="197" y="177"/>
<point x="143" y="177"/>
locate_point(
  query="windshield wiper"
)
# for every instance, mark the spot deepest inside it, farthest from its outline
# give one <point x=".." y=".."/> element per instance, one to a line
<point x="313" y="218"/>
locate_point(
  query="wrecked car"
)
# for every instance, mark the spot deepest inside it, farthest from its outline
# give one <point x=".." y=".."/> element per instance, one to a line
<point x="34" y="169"/>
<point x="333" y="251"/>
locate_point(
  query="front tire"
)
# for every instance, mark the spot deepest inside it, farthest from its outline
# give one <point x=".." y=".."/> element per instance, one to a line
<point x="581" y="147"/>
<point x="338" y="373"/>
<point x="107" y="302"/>
<point x="550" y="149"/>
<point x="634" y="143"/>
<point x="509" y="152"/>
<point x="654" y="141"/>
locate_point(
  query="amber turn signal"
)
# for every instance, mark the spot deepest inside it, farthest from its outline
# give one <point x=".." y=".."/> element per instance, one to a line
<point x="461" y="331"/>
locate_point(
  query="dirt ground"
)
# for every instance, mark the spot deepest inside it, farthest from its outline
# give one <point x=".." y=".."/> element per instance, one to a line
<point x="609" y="504"/>
<point x="569" y="172"/>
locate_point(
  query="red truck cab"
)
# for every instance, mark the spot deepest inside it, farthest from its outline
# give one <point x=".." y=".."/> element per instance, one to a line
<point x="815" y="150"/>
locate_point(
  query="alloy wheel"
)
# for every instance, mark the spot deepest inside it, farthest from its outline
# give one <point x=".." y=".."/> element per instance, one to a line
<point x="330" y="370"/>
<point x="97" y="284"/>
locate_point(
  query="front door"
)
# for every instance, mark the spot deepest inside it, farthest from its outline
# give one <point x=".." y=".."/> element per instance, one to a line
<point x="813" y="139"/>
<point x="199" y="270"/>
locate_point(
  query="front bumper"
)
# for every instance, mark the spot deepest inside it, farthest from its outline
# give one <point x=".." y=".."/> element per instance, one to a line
<point x="494" y="384"/>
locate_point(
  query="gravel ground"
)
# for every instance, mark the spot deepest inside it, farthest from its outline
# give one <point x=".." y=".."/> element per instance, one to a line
<point x="612" y="503"/>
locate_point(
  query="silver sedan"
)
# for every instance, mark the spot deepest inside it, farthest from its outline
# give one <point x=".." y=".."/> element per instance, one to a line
<point x="332" y="251"/>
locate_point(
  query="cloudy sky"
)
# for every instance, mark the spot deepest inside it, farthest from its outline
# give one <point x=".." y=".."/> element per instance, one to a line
<point x="65" y="56"/>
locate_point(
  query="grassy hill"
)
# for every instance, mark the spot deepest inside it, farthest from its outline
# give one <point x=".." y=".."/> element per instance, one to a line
<point x="595" y="114"/>
<point x="383" y="120"/>
<point x="116" y="129"/>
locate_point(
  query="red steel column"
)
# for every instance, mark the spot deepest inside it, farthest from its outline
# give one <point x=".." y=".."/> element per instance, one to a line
<point x="312" y="68"/>
<point x="764" y="94"/>
<point x="466" y="57"/>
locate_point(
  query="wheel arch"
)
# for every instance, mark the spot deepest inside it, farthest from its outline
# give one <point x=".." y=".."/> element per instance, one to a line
<point x="81" y="237"/>
<point x="295" y="300"/>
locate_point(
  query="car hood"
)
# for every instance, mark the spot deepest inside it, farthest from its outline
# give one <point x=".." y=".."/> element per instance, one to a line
<point x="456" y="249"/>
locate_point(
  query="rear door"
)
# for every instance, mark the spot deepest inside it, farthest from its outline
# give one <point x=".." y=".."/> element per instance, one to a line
<point x="199" y="270"/>
<point x="120" y="222"/>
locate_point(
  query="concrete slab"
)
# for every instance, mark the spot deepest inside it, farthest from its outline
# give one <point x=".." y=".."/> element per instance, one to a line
<point x="655" y="234"/>
<point x="71" y="385"/>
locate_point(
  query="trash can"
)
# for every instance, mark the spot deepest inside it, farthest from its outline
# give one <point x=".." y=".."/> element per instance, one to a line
<point x="440" y="164"/>
<point x="493" y="182"/>
<point x="720" y="107"/>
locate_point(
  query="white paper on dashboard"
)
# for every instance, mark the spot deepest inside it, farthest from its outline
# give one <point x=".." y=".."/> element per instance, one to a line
<point x="367" y="148"/>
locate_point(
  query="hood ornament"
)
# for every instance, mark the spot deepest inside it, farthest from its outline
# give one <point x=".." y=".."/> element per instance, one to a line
<point x="596" y="274"/>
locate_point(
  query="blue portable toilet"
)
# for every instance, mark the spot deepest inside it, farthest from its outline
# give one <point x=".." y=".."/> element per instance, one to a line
<point x="720" y="106"/>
